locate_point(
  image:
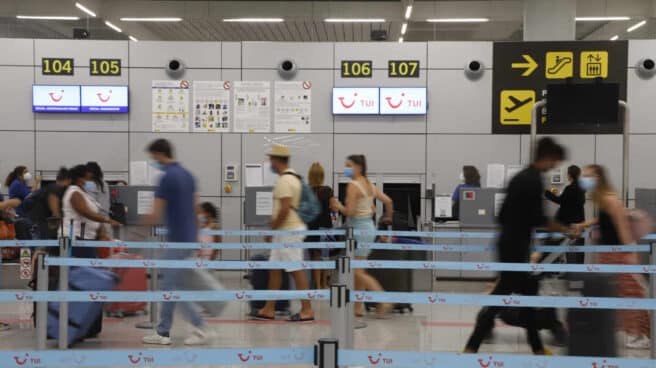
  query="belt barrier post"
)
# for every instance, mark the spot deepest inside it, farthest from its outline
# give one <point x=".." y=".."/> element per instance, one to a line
<point x="41" y="307"/>
<point x="340" y="324"/>
<point x="64" y="247"/>
<point x="153" y="285"/>
<point x="652" y="294"/>
<point x="325" y="354"/>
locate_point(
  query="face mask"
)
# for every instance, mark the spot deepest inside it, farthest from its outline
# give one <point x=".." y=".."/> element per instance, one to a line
<point x="348" y="172"/>
<point x="273" y="169"/>
<point x="27" y="176"/>
<point x="90" y="186"/>
<point x="156" y="165"/>
<point x="587" y="183"/>
<point x="462" y="177"/>
<point x="202" y="220"/>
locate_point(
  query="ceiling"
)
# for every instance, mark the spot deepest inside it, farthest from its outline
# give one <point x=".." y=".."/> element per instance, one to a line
<point x="304" y="20"/>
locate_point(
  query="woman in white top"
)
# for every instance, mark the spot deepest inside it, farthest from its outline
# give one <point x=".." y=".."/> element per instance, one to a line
<point x="80" y="208"/>
<point x="359" y="212"/>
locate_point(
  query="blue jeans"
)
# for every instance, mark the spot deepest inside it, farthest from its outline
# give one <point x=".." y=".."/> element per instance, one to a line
<point x="172" y="279"/>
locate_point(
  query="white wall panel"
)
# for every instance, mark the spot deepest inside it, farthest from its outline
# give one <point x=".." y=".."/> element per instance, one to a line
<point x="22" y="51"/>
<point x="639" y="49"/>
<point x="141" y="97"/>
<point x="380" y="53"/>
<point x="448" y="153"/>
<point x="457" y="104"/>
<point x="199" y="153"/>
<point x="17" y="104"/>
<point x="609" y="155"/>
<point x="54" y="149"/>
<point x="455" y="55"/>
<point x="641" y="95"/>
<point x="386" y="153"/>
<point x="231" y="55"/>
<point x="231" y="154"/>
<point x="81" y="51"/>
<point x="231" y="218"/>
<point x="267" y="55"/>
<point x="641" y="172"/>
<point x="16" y="148"/>
<point x="156" y="54"/>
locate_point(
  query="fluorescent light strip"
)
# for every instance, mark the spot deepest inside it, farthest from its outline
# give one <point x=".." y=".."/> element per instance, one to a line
<point x="85" y="9"/>
<point x="404" y="28"/>
<point x="133" y="38"/>
<point x="636" y="26"/>
<point x="255" y="20"/>
<point x="47" y="17"/>
<point x="600" y="19"/>
<point x="354" y="20"/>
<point x="458" y="20"/>
<point x="400" y="39"/>
<point x="156" y="19"/>
<point x="614" y="38"/>
<point x="408" y="11"/>
<point x="112" y="26"/>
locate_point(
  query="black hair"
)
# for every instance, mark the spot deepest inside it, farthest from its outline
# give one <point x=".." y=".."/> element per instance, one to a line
<point x="472" y="176"/>
<point x="162" y="146"/>
<point x="122" y="182"/>
<point x="548" y="149"/>
<point x="14" y="174"/>
<point x="63" y="174"/>
<point x="361" y="161"/>
<point x="96" y="174"/>
<point x="210" y="209"/>
<point x="78" y="172"/>
<point x="283" y="160"/>
<point x="574" y="172"/>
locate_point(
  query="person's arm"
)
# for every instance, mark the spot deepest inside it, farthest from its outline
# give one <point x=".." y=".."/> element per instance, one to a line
<point x="553" y="197"/>
<point x="352" y="196"/>
<point x="617" y="213"/>
<point x="54" y="205"/>
<point x="79" y="204"/>
<point x="35" y="184"/>
<point x="455" y="197"/>
<point x="285" y="209"/>
<point x="10" y="203"/>
<point x="388" y="205"/>
<point x="154" y="217"/>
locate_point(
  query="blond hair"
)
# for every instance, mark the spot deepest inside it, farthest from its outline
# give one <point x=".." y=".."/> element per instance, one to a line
<point x="316" y="175"/>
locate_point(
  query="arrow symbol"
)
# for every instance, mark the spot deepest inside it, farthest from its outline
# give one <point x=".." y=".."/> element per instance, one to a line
<point x="530" y="65"/>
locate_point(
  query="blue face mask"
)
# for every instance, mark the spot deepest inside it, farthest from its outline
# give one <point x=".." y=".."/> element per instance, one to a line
<point x="587" y="184"/>
<point x="156" y="165"/>
<point x="90" y="186"/>
<point x="348" y="172"/>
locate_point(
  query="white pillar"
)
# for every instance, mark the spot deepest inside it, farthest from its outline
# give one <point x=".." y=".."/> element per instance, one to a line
<point x="552" y="20"/>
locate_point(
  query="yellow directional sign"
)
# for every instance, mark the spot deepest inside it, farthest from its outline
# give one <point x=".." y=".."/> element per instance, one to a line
<point x="559" y="65"/>
<point x="516" y="106"/>
<point x="530" y="65"/>
<point x="594" y="64"/>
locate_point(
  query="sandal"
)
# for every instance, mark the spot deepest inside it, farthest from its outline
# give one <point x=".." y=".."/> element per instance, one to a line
<point x="297" y="318"/>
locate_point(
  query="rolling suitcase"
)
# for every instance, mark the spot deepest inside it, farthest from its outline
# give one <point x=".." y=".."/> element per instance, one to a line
<point x="259" y="280"/>
<point x="83" y="317"/>
<point x="130" y="279"/>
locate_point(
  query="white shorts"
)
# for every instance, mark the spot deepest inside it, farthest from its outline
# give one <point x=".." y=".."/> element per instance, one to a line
<point x="288" y="254"/>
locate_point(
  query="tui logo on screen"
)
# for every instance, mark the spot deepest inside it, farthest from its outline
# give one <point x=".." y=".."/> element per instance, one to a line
<point x="346" y="105"/>
<point x="102" y="97"/>
<point x="55" y="98"/>
<point x="393" y="105"/>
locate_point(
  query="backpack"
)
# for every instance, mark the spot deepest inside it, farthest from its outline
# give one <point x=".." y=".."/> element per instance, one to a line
<point x="35" y="205"/>
<point x="309" y="207"/>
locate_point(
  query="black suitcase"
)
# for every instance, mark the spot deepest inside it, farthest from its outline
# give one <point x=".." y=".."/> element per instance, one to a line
<point x="392" y="279"/>
<point x="592" y="331"/>
<point x="259" y="280"/>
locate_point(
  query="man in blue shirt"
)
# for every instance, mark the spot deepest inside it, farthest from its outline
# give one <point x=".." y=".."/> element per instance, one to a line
<point x="175" y="201"/>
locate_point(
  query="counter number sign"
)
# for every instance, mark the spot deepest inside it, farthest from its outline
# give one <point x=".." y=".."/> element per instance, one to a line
<point x="403" y="69"/>
<point x="356" y="69"/>
<point x="105" y="67"/>
<point x="57" y="66"/>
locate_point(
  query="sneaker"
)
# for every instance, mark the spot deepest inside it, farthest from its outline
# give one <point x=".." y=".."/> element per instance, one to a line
<point x="198" y="337"/>
<point x="156" y="339"/>
<point x="638" y="342"/>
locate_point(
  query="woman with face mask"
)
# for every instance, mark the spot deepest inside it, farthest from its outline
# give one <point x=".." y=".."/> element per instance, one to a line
<point x="208" y="219"/>
<point x="469" y="178"/>
<point x="20" y="185"/>
<point x="97" y="187"/>
<point x="614" y="229"/>
<point x="359" y="213"/>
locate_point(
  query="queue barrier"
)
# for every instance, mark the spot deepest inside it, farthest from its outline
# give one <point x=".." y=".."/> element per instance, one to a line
<point x="189" y="264"/>
<point x="490" y="248"/>
<point x="200" y="245"/>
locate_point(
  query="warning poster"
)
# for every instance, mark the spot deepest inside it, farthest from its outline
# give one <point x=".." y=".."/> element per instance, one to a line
<point x="293" y="107"/>
<point x="170" y="106"/>
<point x="211" y="106"/>
<point x="522" y="71"/>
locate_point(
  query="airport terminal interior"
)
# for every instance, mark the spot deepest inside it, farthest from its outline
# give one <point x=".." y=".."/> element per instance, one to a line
<point x="459" y="165"/>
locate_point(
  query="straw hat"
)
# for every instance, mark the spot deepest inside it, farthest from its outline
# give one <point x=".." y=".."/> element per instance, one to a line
<point x="278" y="150"/>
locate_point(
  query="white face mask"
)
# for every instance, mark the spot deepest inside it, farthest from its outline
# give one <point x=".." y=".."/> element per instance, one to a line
<point x="27" y="176"/>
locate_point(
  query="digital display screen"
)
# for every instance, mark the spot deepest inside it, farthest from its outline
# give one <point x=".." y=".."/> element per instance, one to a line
<point x="105" y="99"/>
<point x="582" y="104"/>
<point x="403" y="101"/>
<point x="55" y="98"/>
<point x="355" y="101"/>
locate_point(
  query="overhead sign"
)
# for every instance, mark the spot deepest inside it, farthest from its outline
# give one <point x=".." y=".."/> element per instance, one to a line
<point x="57" y="66"/>
<point x="55" y="98"/>
<point x="356" y="69"/>
<point x="403" y="69"/>
<point x="403" y="101"/>
<point x="522" y="71"/>
<point x="355" y="101"/>
<point x="105" y="99"/>
<point x="105" y="67"/>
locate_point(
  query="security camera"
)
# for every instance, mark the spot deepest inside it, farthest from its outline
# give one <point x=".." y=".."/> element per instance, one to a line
<point x="646" y="68"/>
<point x="175" y="68"/>
<point x="287" y="69"/>
<point x="474" y="70"/>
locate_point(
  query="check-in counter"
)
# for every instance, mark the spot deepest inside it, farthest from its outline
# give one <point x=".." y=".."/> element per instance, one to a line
<point x="456" y="256"/>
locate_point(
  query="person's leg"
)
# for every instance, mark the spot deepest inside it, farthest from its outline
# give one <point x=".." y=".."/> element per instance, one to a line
<point x="485" y="318"/>
<point x="530" y="286"/>
<point x="300" y="279"/>
<point x="315" y="255"/>
<point x="167" y="282"/>
<point x="275" y="282"/>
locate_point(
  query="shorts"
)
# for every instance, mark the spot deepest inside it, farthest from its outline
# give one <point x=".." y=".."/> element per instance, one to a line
<point x="362" y="223"/>
<point x="288" y="254"/>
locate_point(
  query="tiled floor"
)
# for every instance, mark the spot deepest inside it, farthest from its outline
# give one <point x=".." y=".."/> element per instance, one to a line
<point x="428" y="328"/>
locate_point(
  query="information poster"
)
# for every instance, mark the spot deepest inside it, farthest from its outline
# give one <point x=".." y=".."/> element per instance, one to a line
<point x="293" y="106"/>
<point x="211" y="106"/>
<point x="252" y="106"/>
<point x="170" y="110"/>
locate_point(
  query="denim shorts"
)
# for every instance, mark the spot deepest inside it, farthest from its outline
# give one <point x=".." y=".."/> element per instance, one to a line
<point x="362" y="223"/>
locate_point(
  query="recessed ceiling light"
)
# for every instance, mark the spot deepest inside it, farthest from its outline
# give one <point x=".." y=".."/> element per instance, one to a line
<point x="47" y="17"/>
<point x="636" y="26"/>
<point x="408" y="11"/>
<point x="156" y="19"/>
<point x="354" y="20"/>
<point x="458" y="20"/>
<point x="133" y="38"/>
<point x="400" y="39"/>
<point x="600" y="19"/>
<point x="112" y="26"/>
<point x="404" y="28"/>
<point x="614" y="38"/>
<point x="255" y="20"/>
<point x="85" y="9"/>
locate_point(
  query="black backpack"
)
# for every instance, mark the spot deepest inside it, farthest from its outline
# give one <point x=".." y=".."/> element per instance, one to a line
<point x="35" y="205"/>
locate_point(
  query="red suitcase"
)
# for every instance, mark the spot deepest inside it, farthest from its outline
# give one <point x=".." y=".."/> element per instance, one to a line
<point x="130" y="279"/>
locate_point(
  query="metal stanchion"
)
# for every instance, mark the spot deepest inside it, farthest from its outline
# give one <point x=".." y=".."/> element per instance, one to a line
<point x="153" y="284"/>
<point x="41" y="307"/>
<point x="339" y="313"/>
<point x="64" y="247"/>
<point x="652" y="294"/>
<point x="325" y="355"/>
